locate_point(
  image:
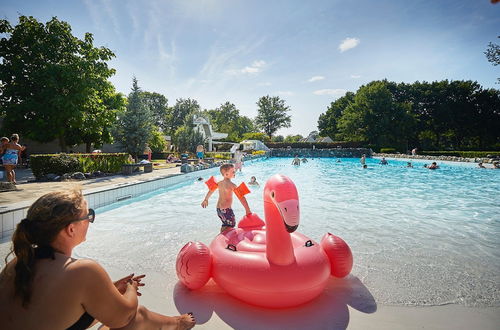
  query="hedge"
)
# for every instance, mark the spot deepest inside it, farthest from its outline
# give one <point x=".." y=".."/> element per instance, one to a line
<point x="218" y="155"/>
<point x="43" y="164"/>
<point x="464" y="154"/>
<point x="317" y="145"/>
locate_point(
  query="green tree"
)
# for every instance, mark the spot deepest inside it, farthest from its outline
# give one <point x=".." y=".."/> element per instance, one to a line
<point x="293" y="138"/>
<point x="327" y="122"/>
<point x="375" y="117"/>
<point x="102" y="113"/>
<point x="272" y="114"/>
<point x="186" y="138"/>
<point x="278" y="138"/>
<point x="158" y="107"/>
<point x="157" y="141"/>
<point x="177" y="115"/>
<point x="493" y="55"/>
<point x="263" y="137"/>
<point x="53" y="82"/>
<point x="134" y="128"/>
<point x="226" y="119"/>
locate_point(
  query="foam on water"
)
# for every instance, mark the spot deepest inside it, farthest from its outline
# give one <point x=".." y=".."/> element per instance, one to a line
<point x="419" y="237"/>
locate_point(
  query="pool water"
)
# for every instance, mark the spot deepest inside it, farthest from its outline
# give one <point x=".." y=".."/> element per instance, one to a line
<point x="419" y="237"/>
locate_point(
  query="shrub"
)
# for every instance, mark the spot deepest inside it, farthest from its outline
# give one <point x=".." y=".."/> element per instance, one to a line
<point x="387" y="150"/>
<point x="218" y="155"/>
<point x="465" y="154"/>
<point x="319" y="145"/>
<point x="57" y="164"/>
<point x="69" y="163"/>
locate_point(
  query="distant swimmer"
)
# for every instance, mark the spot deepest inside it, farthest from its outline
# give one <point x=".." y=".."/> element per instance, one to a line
<point x="253" y="181"/>
<point x="409" y="164"/>
<point x="304" y="160"/>
<point x="383" y="161"/>
<point x="296" y="160"/>
<point x="363" y="159"/>
<point x="433" y="166"/>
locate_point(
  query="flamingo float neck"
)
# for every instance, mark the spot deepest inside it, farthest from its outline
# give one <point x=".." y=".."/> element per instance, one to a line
<point x="281" y="211"/>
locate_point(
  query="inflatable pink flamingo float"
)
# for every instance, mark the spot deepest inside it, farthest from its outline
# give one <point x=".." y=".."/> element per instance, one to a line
<point x="267" y="264"/>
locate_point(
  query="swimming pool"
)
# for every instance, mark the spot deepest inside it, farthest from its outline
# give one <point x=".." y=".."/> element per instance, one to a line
<point x="419" y="237"/>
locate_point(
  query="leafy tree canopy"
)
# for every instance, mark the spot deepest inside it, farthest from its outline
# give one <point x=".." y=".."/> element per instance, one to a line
<point x="158" y="107"/>
<point x="54" y="85"/>
<point x="134" y="128"/>
<point x="226" y="119"/>
<point x="493" y="55"/>
<point x="438" y="115"/>
<point x="178" y="114"/>
<point x="272" y="114"/>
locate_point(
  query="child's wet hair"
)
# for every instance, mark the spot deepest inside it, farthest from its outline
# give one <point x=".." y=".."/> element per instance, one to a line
<point x="226" y="167"/>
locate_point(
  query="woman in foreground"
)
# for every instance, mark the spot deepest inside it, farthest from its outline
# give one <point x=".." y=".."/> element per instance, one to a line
<point x="43" y="287"/>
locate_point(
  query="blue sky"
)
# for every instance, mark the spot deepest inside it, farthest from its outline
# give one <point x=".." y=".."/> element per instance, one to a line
<point x="307" y="52"/>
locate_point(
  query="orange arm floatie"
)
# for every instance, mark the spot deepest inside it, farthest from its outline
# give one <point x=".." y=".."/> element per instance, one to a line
<point x="241" y="190"/>
<point x="211" y="183"/>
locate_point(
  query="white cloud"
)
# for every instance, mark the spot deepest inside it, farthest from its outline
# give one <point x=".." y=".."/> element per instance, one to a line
<point x="288" y="93"/>
<point x="256" y="67"/>
<point x="348" y="43"/>
<point x="316" y="78"/>
<point x="355" y="76"/>
<point x="336" y="92"/>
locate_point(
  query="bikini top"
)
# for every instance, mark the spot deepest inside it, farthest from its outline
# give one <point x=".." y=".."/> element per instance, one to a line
<point x="48" y="252"/>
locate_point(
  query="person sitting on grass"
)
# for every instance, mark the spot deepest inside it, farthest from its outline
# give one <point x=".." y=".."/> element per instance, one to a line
<point x="45" y="287"/>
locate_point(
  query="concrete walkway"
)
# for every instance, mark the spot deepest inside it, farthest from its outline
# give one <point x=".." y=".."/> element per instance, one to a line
<point x="28" y="190"/>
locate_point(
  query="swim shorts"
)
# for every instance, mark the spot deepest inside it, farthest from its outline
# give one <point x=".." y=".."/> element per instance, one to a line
<point x="10" y="157"/>
<point x="199" y="154"/>
<point x="227" y="217"/>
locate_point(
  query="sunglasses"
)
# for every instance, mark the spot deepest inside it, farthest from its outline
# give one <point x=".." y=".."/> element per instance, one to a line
<point x="90" y="216"/>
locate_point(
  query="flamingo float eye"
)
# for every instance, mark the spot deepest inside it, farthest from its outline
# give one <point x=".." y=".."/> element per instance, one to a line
<point x="272" y="194"/>
<point x="286" y="209"/>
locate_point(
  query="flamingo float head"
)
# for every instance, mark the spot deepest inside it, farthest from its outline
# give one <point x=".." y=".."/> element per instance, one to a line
<point x="281" y="192"/>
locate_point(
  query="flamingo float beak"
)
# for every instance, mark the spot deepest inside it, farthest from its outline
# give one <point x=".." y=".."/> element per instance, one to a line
<point x="289" y="210"/>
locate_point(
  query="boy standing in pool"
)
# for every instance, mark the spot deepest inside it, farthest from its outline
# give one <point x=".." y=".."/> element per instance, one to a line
<point x="226" y="188"/>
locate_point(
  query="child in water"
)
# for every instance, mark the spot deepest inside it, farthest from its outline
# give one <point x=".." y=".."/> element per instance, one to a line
<point x="253" y="181"/>
<point x="226" y="188"/>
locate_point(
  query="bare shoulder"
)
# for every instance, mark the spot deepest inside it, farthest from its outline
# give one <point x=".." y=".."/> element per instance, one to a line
<point x="86" y="268"/>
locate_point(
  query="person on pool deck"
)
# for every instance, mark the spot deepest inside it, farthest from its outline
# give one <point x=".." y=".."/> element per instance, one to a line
<point x="10" y="157"/>
<point x="226" y="188"/>
<point x="44" y="287"/>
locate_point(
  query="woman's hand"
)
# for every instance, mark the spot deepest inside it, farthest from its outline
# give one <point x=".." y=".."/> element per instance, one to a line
<point x="122" y="283"/>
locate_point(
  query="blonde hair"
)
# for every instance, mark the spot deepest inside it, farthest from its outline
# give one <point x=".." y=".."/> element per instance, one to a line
<point x="14" y="137"/>
<point x="46" y="217"/>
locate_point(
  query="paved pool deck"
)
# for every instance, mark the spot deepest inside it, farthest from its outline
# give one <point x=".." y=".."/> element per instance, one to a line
<point x="28" y="190"/>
